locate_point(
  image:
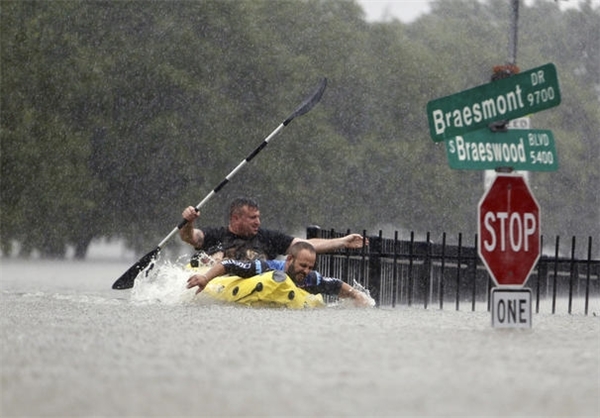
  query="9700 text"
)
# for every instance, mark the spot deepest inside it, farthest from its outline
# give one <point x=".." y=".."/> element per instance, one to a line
<point x="541" y="96"/>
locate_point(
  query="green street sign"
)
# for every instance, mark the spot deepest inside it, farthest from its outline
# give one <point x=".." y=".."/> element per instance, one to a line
<point x="520" y="149"/>
<point x="508" y="98"/>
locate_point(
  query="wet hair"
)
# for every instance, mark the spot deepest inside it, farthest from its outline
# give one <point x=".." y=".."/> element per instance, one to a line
<point x="299" y="246"/>
<point x="240" y="202"/>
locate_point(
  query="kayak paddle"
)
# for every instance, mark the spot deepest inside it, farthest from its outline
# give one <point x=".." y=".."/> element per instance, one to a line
<point x="127" y="279"/>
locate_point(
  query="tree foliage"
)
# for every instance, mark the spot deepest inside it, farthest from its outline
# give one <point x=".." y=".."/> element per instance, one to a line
<point x="117" y="115"/>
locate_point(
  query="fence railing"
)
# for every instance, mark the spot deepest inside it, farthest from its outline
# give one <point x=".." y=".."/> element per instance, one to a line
<point x="412" y="272"/>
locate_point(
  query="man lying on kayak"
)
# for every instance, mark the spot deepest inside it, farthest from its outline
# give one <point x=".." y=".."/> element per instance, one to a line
<point x="298" y="265"/>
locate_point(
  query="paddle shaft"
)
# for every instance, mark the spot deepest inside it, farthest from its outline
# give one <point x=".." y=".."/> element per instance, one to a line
<point x="225" y="181"/>
<point x="308" y="104"/>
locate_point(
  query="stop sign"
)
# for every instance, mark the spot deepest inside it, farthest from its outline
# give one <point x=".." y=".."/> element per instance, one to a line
<point x="509" y="230"/>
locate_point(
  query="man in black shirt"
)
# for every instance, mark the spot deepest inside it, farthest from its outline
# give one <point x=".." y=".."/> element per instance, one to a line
<point x="244" y="239"/>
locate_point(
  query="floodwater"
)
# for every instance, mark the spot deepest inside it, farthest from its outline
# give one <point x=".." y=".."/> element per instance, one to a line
<point x="72" y="346"/>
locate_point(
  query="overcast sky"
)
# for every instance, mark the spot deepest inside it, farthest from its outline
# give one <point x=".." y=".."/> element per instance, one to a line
<point x="409" y="10"/>
<point x="404" y="10"/>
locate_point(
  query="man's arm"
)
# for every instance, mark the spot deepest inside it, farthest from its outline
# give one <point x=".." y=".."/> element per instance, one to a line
<point x="324" y="245"/>
<point x="202" y="279"/>
<point x="234" y="267"/>
<point x="189" y="234"/>
<point x="316" y="283"/>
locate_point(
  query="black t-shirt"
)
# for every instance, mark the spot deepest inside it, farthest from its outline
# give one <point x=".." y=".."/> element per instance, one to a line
<point x="265" y="245"/>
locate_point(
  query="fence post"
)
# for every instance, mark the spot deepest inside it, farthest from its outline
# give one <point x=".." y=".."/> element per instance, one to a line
<point x="313" y="231"/>
<point x="573" y="273"/>
<point x="374" y="264"/>
<point x="473" y="264"/>
<point x="588" y="274"/>
<point x="555" y="274"/>
<point x="346" y="264"/>
<point x="442" y="271"/>
<point x="409" y="290"/>
<point x="542" y="271"/>
<point x="458" y="264"/>
<point x="395" y="271"/>
<point x="427" y="272"/>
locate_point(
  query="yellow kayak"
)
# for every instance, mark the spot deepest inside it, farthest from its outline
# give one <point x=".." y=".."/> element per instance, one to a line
<point x="272" y="289"/>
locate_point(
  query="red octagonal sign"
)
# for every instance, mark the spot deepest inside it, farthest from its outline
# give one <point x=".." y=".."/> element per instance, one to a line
<point x="509" y="230"/>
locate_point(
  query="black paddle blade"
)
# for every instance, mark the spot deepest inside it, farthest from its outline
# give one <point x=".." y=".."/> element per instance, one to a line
<point x="309" y="103"/>
<point x="127" y="279"/>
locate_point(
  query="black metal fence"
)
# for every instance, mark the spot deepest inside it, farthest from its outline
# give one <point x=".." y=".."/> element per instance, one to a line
<point x="411" y="272"/>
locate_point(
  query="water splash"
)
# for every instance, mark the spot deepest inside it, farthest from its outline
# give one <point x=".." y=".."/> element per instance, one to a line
<point x="348" y="303"/>
<point x="165" y="283"/>
<point x="356" y="285"/>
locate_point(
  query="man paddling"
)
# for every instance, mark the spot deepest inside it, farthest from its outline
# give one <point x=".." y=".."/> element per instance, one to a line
<point x="244" y="239"/>
<point x="298" y="265"/>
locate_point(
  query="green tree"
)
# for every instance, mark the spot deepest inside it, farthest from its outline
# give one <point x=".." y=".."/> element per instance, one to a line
<point x="116" y="115"/>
